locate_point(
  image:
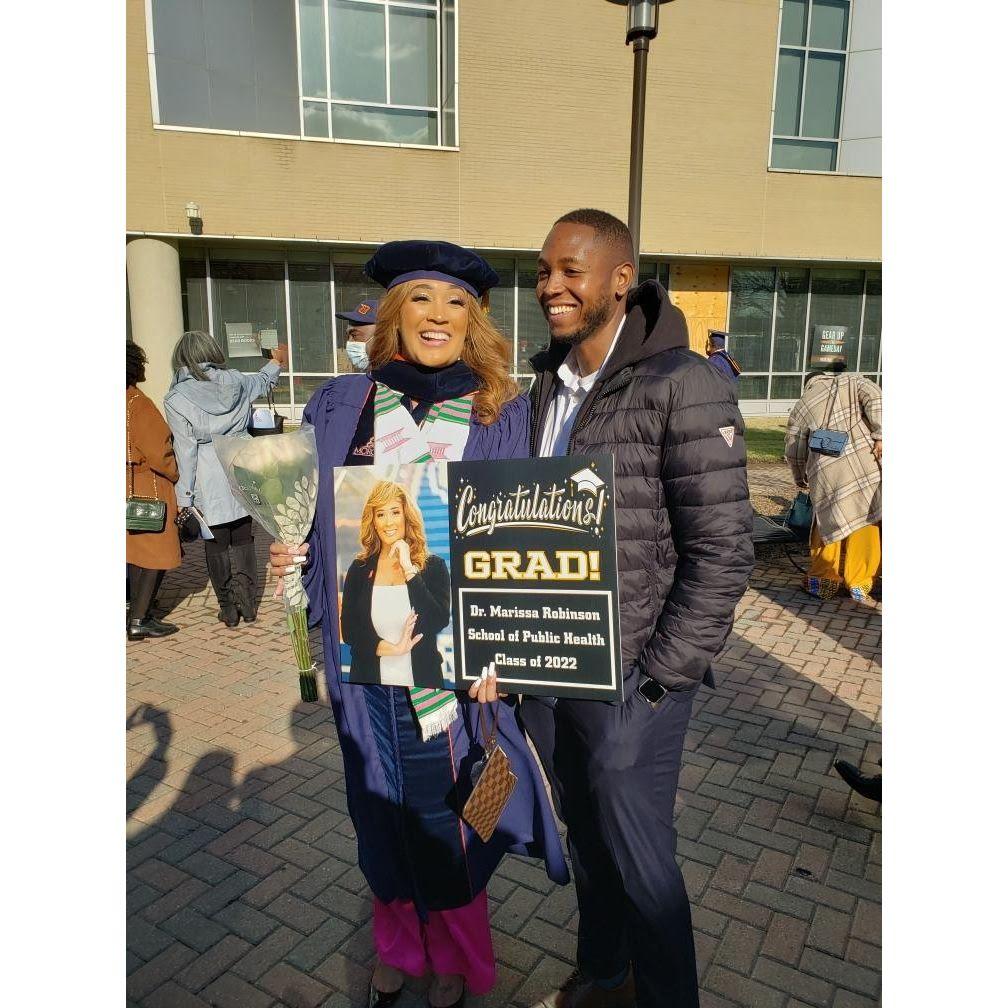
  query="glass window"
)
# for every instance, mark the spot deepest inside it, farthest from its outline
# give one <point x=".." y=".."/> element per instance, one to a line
<point x="311" y="344"/>
<point x="316" y="119"/>
<point x="752" y="387"/>
<point x="808" y="96"/>
<point x="305" y="388"/>
<point x="532" y="333"/>
<point x="794" y="16"/>
<point x="823" y="94"/>
<point x="829" y="24"/>
<point x="362" y="122"/>
<point x="194" y="294"/>
<point x="248" y="297"/>
<point x="313" y="57"/>
<point x="357" y="51"/>
<point x="369" y="69"/>
<point x="787" y="107"/>
<point x="412" y="57"/>
<point x="227" y="66"/>
<point x="751" y="318"/>
<point x="836" y="301"/>
<point x="871" y="336"/>
<point x="647" y="271"/>
<point x="808" y="155"/>
<point x="502" y="302"/>
<point x="792" y="308"/>
<point x="786" y="387"/>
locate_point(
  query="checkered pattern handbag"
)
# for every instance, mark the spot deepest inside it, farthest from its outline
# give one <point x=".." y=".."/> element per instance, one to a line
<point x="493" y="786"/>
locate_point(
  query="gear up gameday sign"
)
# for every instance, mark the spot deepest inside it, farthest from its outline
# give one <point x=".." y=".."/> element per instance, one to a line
<point x="533" y="573"/>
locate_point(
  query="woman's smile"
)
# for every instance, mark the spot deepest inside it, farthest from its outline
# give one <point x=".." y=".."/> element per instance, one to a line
<point x="390" y="523"/>
<point x="433" y="323"/>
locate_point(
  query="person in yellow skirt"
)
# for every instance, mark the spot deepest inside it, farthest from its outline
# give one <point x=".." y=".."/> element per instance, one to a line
<point x="846" y="490"/>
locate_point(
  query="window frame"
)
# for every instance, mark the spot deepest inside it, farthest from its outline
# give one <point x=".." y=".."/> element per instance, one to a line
<point x="770" y="405"/>
<point x="408" y="4"/>
<point x="806" y="50"/>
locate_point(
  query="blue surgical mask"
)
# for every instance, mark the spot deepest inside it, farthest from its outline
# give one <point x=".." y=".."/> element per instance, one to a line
<point x="357" y="352"/>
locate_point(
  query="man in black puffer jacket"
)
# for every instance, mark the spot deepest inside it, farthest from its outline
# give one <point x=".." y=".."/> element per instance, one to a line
<point x="618" y="377"/>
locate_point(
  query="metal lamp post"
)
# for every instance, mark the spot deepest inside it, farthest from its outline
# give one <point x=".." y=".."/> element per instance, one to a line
<point x="642" y="26"/>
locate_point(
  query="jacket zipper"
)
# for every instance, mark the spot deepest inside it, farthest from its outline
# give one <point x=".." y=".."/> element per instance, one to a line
<point x="605" y="391"/>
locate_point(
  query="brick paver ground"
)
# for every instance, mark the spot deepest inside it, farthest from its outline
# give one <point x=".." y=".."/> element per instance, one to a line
<point x="243" y="889"/>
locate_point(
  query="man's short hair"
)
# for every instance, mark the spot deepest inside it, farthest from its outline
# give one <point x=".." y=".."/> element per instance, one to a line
<point x="610" y="229"/>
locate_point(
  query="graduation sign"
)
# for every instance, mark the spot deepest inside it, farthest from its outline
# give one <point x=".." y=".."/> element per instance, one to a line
<point x="533" y="573"/>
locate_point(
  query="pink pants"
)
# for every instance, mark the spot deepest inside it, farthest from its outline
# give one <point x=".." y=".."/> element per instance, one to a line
<point x="452" y="941"/>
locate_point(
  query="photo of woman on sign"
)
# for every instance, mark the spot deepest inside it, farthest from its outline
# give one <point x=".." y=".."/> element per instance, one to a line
<point x="396" y="597"/>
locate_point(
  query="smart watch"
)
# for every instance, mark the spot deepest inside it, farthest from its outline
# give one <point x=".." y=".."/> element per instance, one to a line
<point x="651" y="690"/>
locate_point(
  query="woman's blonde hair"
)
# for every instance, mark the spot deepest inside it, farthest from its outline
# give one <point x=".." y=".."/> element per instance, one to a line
<point x="485" y="349"/>
<point x="385" y="492"/>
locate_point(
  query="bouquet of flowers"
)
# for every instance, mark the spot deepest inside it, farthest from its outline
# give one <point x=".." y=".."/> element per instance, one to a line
<point x="276" y="478"/>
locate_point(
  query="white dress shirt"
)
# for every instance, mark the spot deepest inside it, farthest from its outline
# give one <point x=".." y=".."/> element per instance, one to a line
<point x="571" y="390"/>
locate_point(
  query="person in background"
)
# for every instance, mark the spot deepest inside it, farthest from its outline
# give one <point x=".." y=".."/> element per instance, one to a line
<point x="717" y="354"/>
<point x="151" y="469"/>
<point x="439" y="384"/>
<point x="362" y="326"/>
<point x="206" y="397"/>
<point x="856" y="780"/>
<point x="846" y="490"/>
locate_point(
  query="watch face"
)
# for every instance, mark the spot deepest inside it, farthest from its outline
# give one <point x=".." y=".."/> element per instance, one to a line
<point x="651" y="691"/>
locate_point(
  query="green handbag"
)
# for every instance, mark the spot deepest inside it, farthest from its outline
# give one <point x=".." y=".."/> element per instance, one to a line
<point x="143" y="514"/>
<point x="800" y="515"/>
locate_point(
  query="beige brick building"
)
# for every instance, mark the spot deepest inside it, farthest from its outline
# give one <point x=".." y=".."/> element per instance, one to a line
<point x="307" y="132"/>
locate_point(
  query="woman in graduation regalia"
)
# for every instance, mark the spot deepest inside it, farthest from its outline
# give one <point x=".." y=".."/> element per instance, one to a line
<point x="439" y="386"/>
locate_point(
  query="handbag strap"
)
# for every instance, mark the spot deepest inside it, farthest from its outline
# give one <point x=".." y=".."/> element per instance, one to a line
<point x="129" y="457"/>
<point x="832" y="406"/>
<point x="491" y="739"/>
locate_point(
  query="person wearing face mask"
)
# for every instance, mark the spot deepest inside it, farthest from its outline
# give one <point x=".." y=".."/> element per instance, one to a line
<point x="438" y="386"/>
<point x="360" y="330"/>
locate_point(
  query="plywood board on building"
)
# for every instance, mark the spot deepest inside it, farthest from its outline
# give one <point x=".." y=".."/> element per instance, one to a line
<point x="700" y="291"/>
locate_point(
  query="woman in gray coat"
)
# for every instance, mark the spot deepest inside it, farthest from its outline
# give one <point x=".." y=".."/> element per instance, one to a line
<point x="206" y="398"/>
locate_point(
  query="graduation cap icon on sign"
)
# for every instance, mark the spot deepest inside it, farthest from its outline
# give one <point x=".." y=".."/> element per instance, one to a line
<point x="586" y="481"/>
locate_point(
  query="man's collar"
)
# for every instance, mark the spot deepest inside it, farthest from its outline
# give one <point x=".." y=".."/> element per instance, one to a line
<point x="569" y="372"/>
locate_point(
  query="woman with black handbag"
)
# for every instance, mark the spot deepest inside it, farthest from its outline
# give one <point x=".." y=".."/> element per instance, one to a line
<point x="152" y="542"/>
<point x="206" y="397"/>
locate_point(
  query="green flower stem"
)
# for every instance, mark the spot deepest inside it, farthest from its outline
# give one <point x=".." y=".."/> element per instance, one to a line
<point x="297" y="626"/>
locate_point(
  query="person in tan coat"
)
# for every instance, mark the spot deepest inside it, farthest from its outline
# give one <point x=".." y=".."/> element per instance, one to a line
<point x="151" y="471"/>
<point x="846" y="541"/>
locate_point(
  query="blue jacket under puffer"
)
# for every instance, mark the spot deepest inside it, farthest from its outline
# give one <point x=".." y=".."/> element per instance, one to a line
<point x="195" y="411"/>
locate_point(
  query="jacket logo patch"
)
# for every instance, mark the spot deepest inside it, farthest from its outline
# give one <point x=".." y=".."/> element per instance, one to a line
<point x="728" y="433"/>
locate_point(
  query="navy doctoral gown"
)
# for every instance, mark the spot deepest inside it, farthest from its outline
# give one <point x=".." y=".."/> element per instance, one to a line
<point x="724" y="363"/>
<point x="400" y="791"/>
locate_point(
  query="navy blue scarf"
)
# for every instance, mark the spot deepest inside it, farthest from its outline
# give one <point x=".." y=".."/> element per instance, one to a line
<point x="425" y="384"/>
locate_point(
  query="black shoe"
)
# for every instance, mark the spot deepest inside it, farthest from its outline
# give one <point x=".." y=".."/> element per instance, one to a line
<point x="165" y="628"/>
<point x="245" y="603"/>
<point x="867" y="787"/>
<point x="382" y="999"/>
<point x="150" y="627"/>
<point x="228" y="614"/>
